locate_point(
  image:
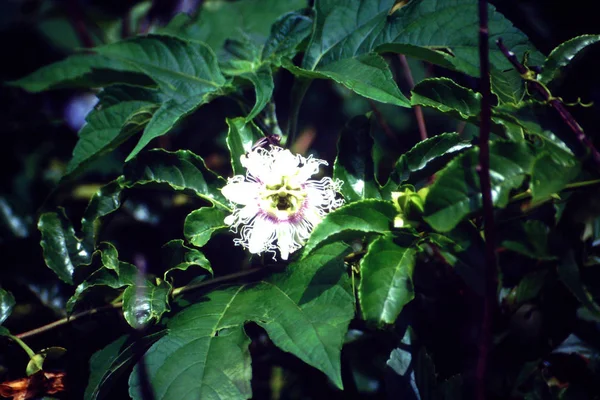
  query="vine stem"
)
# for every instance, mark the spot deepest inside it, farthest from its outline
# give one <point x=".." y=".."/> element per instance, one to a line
<point x="418" y="109"/>
<point x="117" y="305"/>
<point x="490" y="268"/>
<point x="554" y="102"/>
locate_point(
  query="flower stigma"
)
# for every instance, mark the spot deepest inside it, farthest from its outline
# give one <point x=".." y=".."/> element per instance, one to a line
<point x="276" y="205"/>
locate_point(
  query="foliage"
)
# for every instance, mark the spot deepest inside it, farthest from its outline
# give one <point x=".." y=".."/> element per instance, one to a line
<point x="394" y="276"/>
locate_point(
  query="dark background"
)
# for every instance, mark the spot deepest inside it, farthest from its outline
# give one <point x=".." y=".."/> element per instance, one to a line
<point x="39" y="132"/>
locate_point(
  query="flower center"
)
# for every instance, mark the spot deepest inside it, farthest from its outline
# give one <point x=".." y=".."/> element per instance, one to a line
<point x="282" y="200"/>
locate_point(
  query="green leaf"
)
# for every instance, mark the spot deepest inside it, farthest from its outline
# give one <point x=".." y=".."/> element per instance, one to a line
<point x="354" y="161"/>
<point x="530" y="286"/>
<point x="549" y="177"/>
<point x="80" y="70"/>
<point x="240" y="138"/>
<point x="221" y="20"/>
<point x="356" y="27"/>
<point x="165" y="118"/>
<point x="146" y="303"/>
<point x="562" y="55"/>
<point x="539" y="121"/>
<point x="242" y="61"/>
<point x="62" y="250"/>
<point x="386" y="280"/>
<point x="305" y="310"/>
<point x="178" y="256"/>
<point x="456" y="192"/>
<point x="286" y="35"/>
<point x="106" y="129"/>
<point x="110" y="272"/>
<point x="7" y="302"/>
<point x="568" y="272"/>
<point x="180" y="170"/>
<point x="200" y="225"/>
<point x="530" y="239"/>
<point x="105" y="201"/>
<point x="107" y="364"/>
<point x="181" y="69"/>
<point x="36" y="363"/>
<point x="446" y="96"/>
<point x="187" y="72"/>
<point x="115" y="94"/>
<point x="368" y="75"/>
<point x="425" y="159"/>
<point x="352" y="221"/>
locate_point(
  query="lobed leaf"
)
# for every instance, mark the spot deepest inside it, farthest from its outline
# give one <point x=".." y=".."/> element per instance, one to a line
<point x="368" y="75"/>
<point x="305" y="310"/>
<point x="440" y="32"/>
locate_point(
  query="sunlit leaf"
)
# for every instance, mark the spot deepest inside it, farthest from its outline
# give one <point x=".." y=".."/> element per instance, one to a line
<point x="352" y="221"/>
<point x="178" y="256"/>
<point x="106" y="129"/>
<point x="426" y="158"/>
<point x="386" y="280"/>
<point x="221" y="20"/>
<point x="146" y="302"/>
<point x="180" y="170"/>
<point x="63" y="251"/>
<point x="200" y="225"/>
<point x="456" y="193"/>
<point x="7" y="302"/>
<point x="563" y="54"/>
<point x="549" y="177"/>
<point x="305" y="310"/>
<point x="368" y="75"/>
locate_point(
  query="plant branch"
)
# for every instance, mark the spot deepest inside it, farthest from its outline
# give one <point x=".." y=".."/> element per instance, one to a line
<point x="554" y="102"/>
<point x="490" y="268"/>
<point x="117" y="305"/>
<point x="76" y="17"/>
<point x="418" y="109"/>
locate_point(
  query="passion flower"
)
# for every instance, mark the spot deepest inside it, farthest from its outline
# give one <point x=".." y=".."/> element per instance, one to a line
<point x="276" y="205"/>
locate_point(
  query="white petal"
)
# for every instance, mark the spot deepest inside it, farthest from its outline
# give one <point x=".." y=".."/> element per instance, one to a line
<point x="257" y="163"/>
<point x="285" y="163"/>
<point x="249" y="211"/>
<point x="241" y="192"/>
<point x="285" y="239"/>
<point x="262" y="235"/>
<point x="310" y="168"/>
